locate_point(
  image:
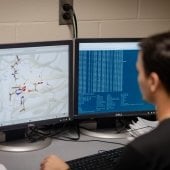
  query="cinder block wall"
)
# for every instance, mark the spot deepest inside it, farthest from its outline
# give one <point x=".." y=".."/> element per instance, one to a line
<point x="37" y="20"/>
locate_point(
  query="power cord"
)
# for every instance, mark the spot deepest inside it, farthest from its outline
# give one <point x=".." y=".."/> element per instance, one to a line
<point x="70" y="14"/>
<point x="102" y="141"/>
<point x="34" y="133"/>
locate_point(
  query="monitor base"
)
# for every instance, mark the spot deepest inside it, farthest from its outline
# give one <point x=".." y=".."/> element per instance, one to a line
<point x="104" y="133"/>
<point x="24" y="146"/>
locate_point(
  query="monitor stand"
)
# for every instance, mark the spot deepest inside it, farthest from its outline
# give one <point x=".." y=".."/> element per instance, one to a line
<point x="104" y="133"/>
<point x="93" y="129"/>
<point x="22" y="144"/>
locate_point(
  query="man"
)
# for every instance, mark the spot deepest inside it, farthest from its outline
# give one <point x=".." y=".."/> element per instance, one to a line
<point x="152" y="150"/>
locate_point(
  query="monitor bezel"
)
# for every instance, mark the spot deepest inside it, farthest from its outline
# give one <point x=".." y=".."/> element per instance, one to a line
<point x="101" y="114"/>
<point x="70" y="90"/>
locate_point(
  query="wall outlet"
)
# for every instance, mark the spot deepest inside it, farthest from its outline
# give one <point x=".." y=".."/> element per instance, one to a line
<point x="64" y="16"/>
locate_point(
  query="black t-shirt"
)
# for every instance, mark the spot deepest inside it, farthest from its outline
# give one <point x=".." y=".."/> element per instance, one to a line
<point x="148" y="152"/>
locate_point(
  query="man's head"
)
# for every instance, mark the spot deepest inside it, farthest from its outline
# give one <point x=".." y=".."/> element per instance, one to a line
<point x="154" y="64"/>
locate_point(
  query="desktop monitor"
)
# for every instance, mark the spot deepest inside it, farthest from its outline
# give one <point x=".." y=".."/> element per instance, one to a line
<point x="106" y="79"/>
<point x="35" y="82"/>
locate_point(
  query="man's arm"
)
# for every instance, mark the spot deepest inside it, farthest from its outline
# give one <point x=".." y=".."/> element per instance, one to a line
<point x="132" y="159"/>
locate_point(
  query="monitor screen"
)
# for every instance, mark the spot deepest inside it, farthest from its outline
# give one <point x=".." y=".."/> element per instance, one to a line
<point x="106" y="79"/>
<point x="35" y="83"/>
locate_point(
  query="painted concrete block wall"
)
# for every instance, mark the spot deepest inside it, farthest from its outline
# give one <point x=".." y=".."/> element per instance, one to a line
<point x="30" y="20"/>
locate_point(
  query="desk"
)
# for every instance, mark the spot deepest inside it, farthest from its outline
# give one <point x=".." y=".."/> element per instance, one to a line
<point x="67" y="150"/>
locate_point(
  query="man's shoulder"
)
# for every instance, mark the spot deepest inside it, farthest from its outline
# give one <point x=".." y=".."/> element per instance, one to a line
<point x="159" y="137"/>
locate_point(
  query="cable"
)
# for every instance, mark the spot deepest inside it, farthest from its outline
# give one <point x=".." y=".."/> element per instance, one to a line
<point x="88" y="141"/>
<point x="70" y="14"/>
<point x="74" y="20"/>
<point x="34" y="133"/>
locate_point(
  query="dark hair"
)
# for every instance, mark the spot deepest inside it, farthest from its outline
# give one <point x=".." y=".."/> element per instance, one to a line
<point x="156" y="57"/>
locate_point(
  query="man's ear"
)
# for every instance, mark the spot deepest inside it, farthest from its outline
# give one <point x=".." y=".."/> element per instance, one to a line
<point x="154" y="82"/>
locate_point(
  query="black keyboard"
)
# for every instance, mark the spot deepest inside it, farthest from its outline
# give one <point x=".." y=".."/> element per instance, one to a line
<point x="105" y="160"/>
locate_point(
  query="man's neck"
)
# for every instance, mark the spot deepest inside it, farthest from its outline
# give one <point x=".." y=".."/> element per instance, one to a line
<point x="163" y="108"/>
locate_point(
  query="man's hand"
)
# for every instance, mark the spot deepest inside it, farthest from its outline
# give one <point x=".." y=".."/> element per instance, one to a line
<point x="52" y="162"/>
